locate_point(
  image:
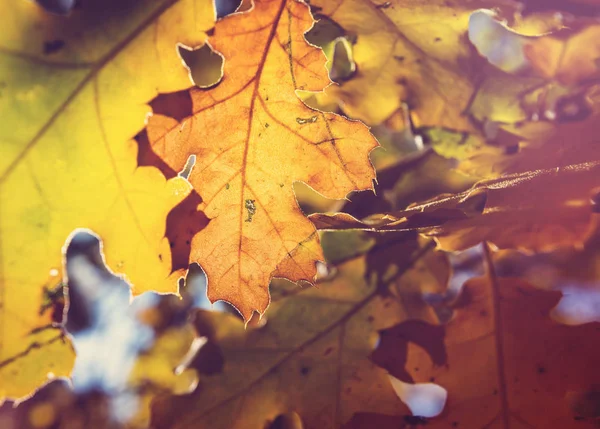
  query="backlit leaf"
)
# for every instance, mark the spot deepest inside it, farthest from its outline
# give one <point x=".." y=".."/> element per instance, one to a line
<point x="507" y="361"/>
<point x="311" y="355"/>
<point x="253" y="138"/>
<point x="72" y="96"/>
<point x="537" y="210"/>
<point x="416" y="50"/>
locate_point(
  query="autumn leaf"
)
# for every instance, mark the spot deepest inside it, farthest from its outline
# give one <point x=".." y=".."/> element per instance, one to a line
<point x="507" y="361"/>
<point x="549" y="200"/>
<point x="149" y="337"/>
<point x="311" y="355"/>
<point x="72" y="95"/>
<point x="417" y="51"/>
<point x="232" y="147"/>
<point x="537" y="210"/>
<point x="548" y="96"/>
<point x="59" y="404"/>
<point x="253" y="138"/>
<point x="565" y="55"/>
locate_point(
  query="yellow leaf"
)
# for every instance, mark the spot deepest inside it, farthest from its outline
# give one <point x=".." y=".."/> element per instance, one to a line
<point x="407" y="51"/>
<point x="253" y="138"/>
<point x="73" y="94"/>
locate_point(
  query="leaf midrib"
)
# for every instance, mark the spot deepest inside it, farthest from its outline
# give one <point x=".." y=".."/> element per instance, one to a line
<point x="96" y="68"/>
<point x="110" y="56"/>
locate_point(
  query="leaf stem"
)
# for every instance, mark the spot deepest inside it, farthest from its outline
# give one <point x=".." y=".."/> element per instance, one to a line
<point x="499" y="335"/>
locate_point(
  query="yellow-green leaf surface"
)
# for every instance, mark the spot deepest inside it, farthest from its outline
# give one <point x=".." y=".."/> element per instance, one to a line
<point x="73" y="94"/>
<point x="407" y="51"/>
<point x="311" y="355"/>
<point x="549" y="97"/>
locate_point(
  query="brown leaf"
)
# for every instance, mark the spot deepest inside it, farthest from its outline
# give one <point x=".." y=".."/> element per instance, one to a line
<point x="534" y="210"/>
<point x="507" y="361"/>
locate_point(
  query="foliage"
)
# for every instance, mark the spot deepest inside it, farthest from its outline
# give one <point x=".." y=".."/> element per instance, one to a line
<point x="256" y="229"/>
<point x="72" y="99"/>
<point x="395" y="204"/>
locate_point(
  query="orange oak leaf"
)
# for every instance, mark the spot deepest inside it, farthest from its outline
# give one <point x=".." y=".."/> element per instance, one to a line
<point x="253" y="138"/>
<point x="507" y="360"/>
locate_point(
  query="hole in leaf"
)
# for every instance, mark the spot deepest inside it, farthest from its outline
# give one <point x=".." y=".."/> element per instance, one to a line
<point x="423" y="399"/>
<point x="183" y="222"/>
<point x="342" y="66"/>
<point x="205" y="65"/>
<point x="59" y="7"/>
<point x="98" y="316"/>
<point x="324" y="31"/>
<point x="578" y="305"/>
<point x="227" y="7"/>
<point x="330" y="37"/>
<point x="185" y="173"/>
<point x="289" y="420"/>
<point x="113" y="335"/>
